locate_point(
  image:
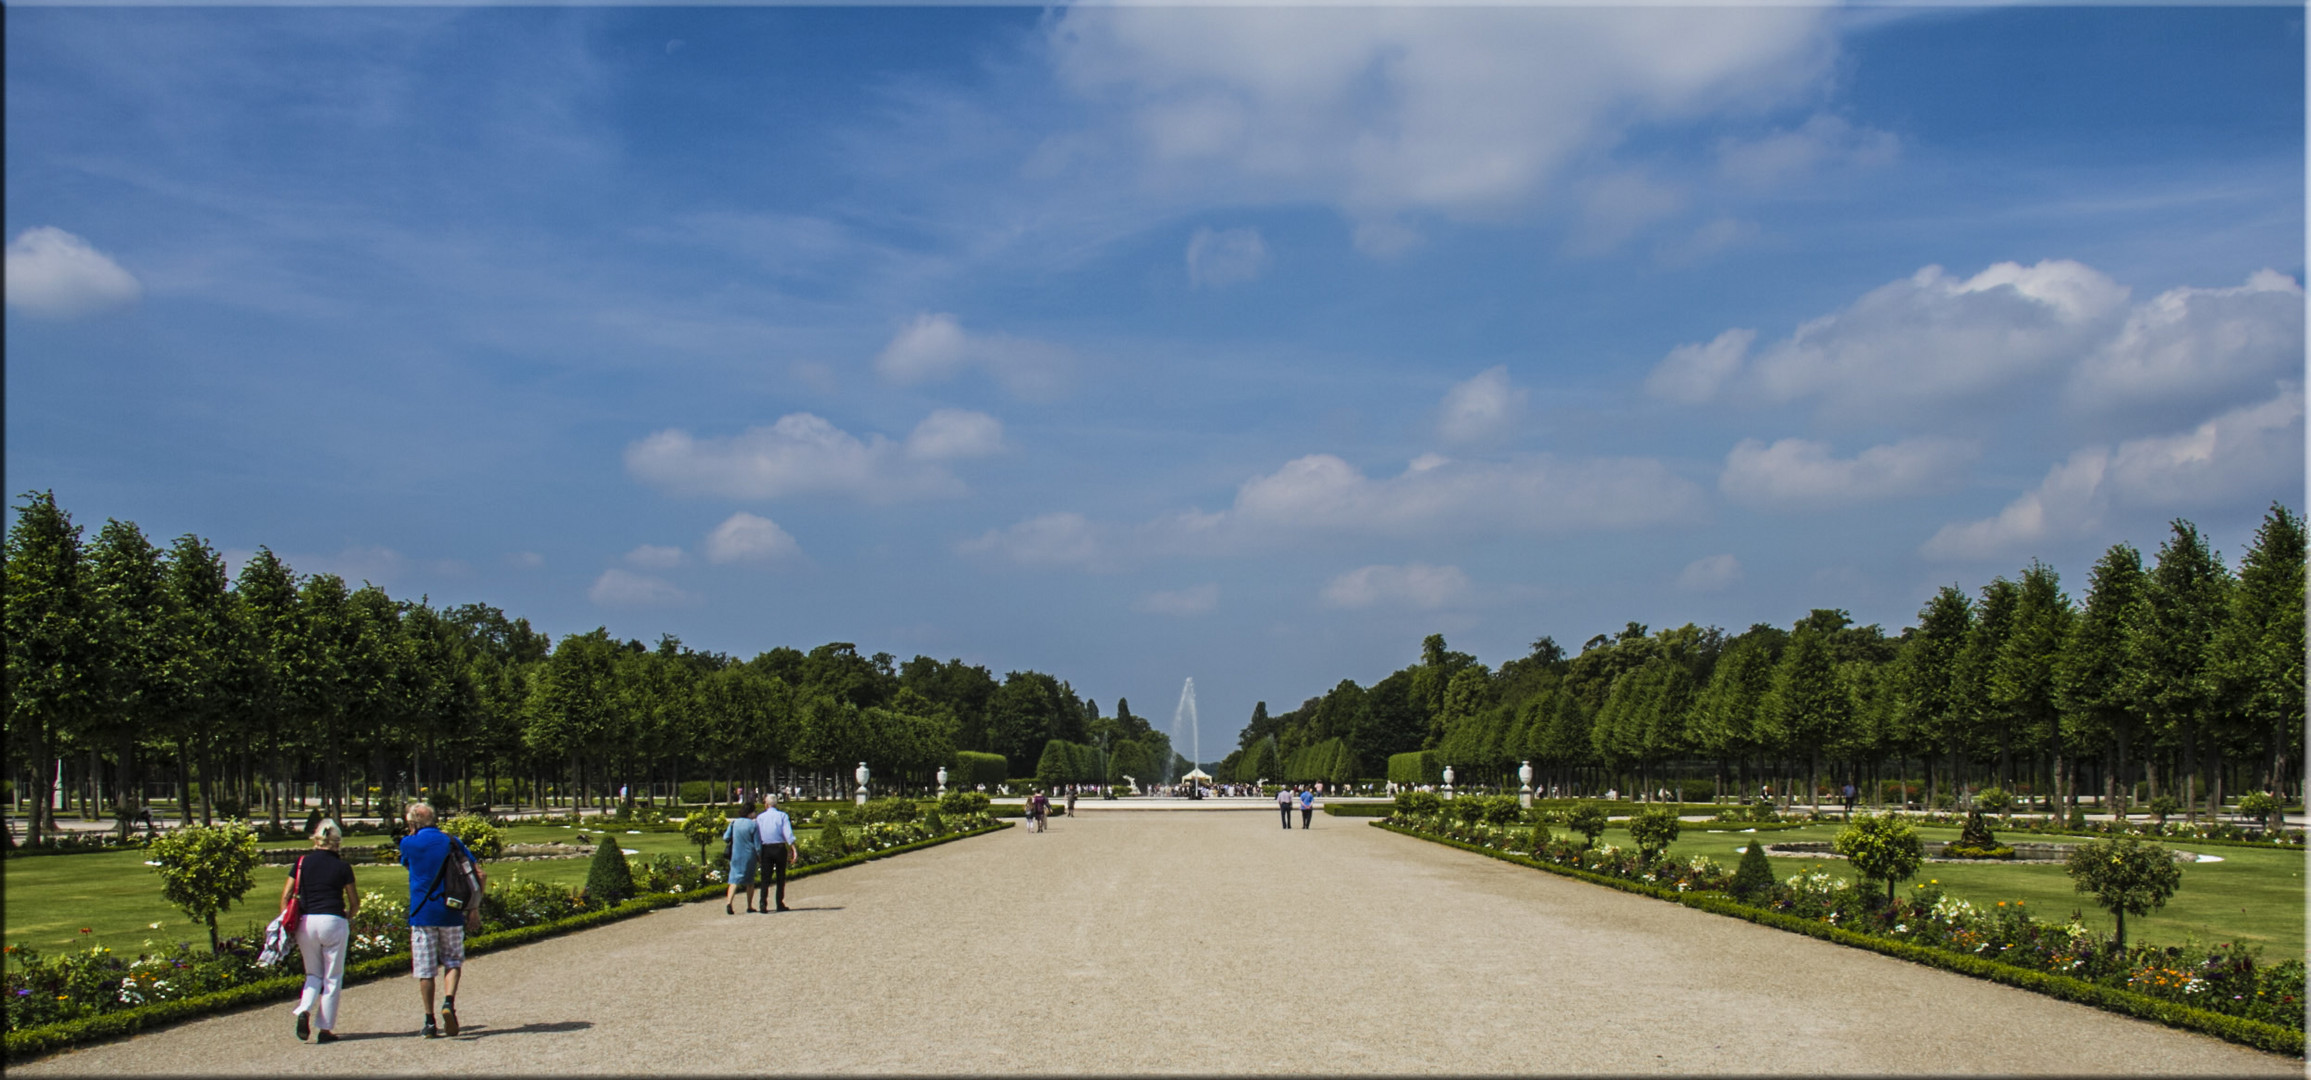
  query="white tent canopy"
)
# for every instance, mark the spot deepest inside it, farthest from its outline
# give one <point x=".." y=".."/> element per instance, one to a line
<point x="1197" y="774"/>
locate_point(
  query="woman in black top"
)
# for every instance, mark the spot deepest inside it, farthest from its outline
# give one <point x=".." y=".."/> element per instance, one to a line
<point x="324" y="884"/>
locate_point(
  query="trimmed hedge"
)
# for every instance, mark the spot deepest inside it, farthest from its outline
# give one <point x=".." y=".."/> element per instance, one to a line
<point x="1360" y="809"/>
<point x="34" y="1042"/>
<point x="2254" y="1033"/>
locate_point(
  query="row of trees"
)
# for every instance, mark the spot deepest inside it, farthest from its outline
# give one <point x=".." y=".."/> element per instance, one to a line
<point x="132" y="668"/>
<point x="2184" y="678"/>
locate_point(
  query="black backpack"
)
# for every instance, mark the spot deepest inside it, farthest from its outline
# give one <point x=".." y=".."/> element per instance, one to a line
<point x="460" y="884"/>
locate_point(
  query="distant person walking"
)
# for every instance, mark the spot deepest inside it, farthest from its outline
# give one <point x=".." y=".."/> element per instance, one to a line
<point x="1307" y="806"/>
<point x="743" y="852"/>
<point x="1039" y="811"/>
<point x="1071" y="802"/>
<point x="436" y="933"/>
<point x="326" y="895"/>
<point x="1284" y="804"/>
<point x="775" y="832"/>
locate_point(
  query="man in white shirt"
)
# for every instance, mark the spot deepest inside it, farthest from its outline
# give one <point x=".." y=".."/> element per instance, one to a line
<point x="776" y="834"/>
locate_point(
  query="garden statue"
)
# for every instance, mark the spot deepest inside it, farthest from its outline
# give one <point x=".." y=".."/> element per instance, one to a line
<point x="861" y="773"/>
<point x="1448" y="781"/>
<point x="942" y="780"/>
<point x="1525" y="776"/>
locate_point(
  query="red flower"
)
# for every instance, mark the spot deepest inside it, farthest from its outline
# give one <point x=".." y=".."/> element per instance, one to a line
<point x="86" y="930"/>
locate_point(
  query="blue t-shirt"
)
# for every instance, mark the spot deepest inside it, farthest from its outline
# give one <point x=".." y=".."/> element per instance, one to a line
<point x="424" y="853"/>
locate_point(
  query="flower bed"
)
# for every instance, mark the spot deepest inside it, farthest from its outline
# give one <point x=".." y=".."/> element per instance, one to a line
<point x="95" y="994"/>
<point x="2224" y="990"/>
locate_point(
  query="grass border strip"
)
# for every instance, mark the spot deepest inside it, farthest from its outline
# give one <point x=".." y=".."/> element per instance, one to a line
<point x="2253" y="1033"/>
<point x="47" y="1039"/>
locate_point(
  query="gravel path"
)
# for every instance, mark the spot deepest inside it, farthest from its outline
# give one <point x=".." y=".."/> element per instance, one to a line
<point x="1193" y="942"/>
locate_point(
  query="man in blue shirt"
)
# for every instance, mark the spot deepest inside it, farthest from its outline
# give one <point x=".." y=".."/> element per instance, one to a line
<point x="436" y="932"/>
<point x="775" y="833"/>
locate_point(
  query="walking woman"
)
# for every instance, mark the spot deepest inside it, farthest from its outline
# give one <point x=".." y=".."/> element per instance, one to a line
<point x="744" y="842"/>
<point x="325" y="891"/>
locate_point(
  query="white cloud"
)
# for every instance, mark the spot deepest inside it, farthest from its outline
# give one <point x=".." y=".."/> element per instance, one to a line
<point x="1382" y="110"/>
<point x="655" y="557"/>
<point x="934" y="347"/>
<point x="1710" y="573"/>
<point x="804" y="454"/>
<point x="948" y="434"/>
<point x="526" y="560"/>
<point x="1225" y="258"/>
<point x="621" y="588"/>
<point x="1692" y="374"/>
<point x="1413" y="585"/>
<point x="1823" y="141"/>
<point x="1194" y="600"/>
<point x="54" y="274"/>
<point x="747" y="538"/>
<point x="1484" y="407"/>
<point x="1057" y="539"/>
<point x="1535" y="494"/>
<point x="1323" y="495"/>
<point x="1929" y="339"/>
<point x="2241" y="453"/>
<point x="2192" y="348"/>
<point x="1799" y="471"/>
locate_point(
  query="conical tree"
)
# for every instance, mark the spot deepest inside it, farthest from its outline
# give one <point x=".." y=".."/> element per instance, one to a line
<point x="1753" y="878"/>
<point x="609" y="880"/>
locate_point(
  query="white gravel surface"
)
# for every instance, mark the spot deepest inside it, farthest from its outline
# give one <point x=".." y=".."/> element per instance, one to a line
<point x="1192" y="943"/>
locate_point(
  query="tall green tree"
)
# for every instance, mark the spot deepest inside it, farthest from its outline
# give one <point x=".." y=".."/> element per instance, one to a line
<point x="2023" y="685"/>
<point x="128" y="595"/>
<point x="2097" y="677"/>
<point x="2185" y="605"/>
<point x="53" y="673"/>
<point x="2258" y="656"/>
<point x="200" y="651"/>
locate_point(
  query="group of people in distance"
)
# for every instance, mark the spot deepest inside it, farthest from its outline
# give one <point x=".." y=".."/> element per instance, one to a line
<point x="1302" y="798"/>
<point x="761" y="849"/>
<point x="322" y="882"/>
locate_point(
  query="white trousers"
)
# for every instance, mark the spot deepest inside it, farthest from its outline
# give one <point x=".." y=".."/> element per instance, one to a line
<point x="321" y="939"/>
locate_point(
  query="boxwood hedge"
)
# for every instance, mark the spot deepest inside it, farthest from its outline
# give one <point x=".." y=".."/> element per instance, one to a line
<point x="2261" y="1036"/>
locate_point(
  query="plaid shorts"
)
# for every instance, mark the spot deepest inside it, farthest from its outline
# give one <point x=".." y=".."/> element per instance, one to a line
<point x="435" y="947"/>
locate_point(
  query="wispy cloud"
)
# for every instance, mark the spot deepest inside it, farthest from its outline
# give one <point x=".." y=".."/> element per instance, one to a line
<point x="54" y="274"/>
<point x="805" y="454"/>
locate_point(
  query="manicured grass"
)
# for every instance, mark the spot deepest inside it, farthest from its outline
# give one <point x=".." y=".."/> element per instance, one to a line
<point x="117" y="897"/>
<point x="2253" y="897"/>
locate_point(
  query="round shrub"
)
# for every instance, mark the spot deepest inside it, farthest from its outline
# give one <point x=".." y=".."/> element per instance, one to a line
<point x="1653" y="829"/>
<point x="1753" y="877"/>
<point x="1417" y="804"/>
<point x="2127" y="876"/>
<point x="479" y="835"/>
<point x="1503" y="810"/>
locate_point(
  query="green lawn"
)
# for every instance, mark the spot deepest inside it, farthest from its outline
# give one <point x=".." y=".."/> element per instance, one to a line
<point x="117" y="897"/>
<point x="2252" y="896"/>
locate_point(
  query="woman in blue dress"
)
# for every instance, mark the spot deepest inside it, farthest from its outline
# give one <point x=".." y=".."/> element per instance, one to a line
<point x="743" y="843"/>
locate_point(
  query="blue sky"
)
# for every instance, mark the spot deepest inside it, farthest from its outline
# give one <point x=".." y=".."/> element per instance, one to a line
<point x="1138" y="344"/>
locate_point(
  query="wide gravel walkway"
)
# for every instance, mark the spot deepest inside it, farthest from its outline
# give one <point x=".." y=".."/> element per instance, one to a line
<point x="1192" y="942"/>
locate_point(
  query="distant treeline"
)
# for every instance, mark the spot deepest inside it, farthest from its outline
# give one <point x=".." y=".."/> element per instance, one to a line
<point x="2186" y="677"/>
<point x="131" y="667"/>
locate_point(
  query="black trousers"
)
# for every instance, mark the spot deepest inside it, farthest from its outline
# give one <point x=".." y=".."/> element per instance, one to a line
<point x="1307" y="814"/>
<point x="1287" y="815"/>
<point x="771" y="874"/>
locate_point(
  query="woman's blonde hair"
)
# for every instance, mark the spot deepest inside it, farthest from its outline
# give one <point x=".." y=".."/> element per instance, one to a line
<point x="328" y="835"/>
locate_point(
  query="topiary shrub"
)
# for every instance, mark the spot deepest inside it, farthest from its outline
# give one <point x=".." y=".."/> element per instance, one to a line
<point x="1653" y="829"/>
<point x="1416" y="804"/>
<point x="1996" y="800"/>
<point x="609" y="881"/>
<point x="964" y="803"/>
<point x="1502" y="810"/>
<point x="1883" y="848"/>
<point x="890" y="810"/>
<point x="2263" y="805"/>
<point x="1468" y="809"/>
<point x="1539" y="838"/>
<point x="2164" y="807"/>
<point x="1753" y="877"/>
<point x="2126" y="876"/>
<point x="1588" y="819"/>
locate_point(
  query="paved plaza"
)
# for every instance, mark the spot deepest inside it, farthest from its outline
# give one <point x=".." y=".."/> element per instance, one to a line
<point x="1211" y="942"/>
